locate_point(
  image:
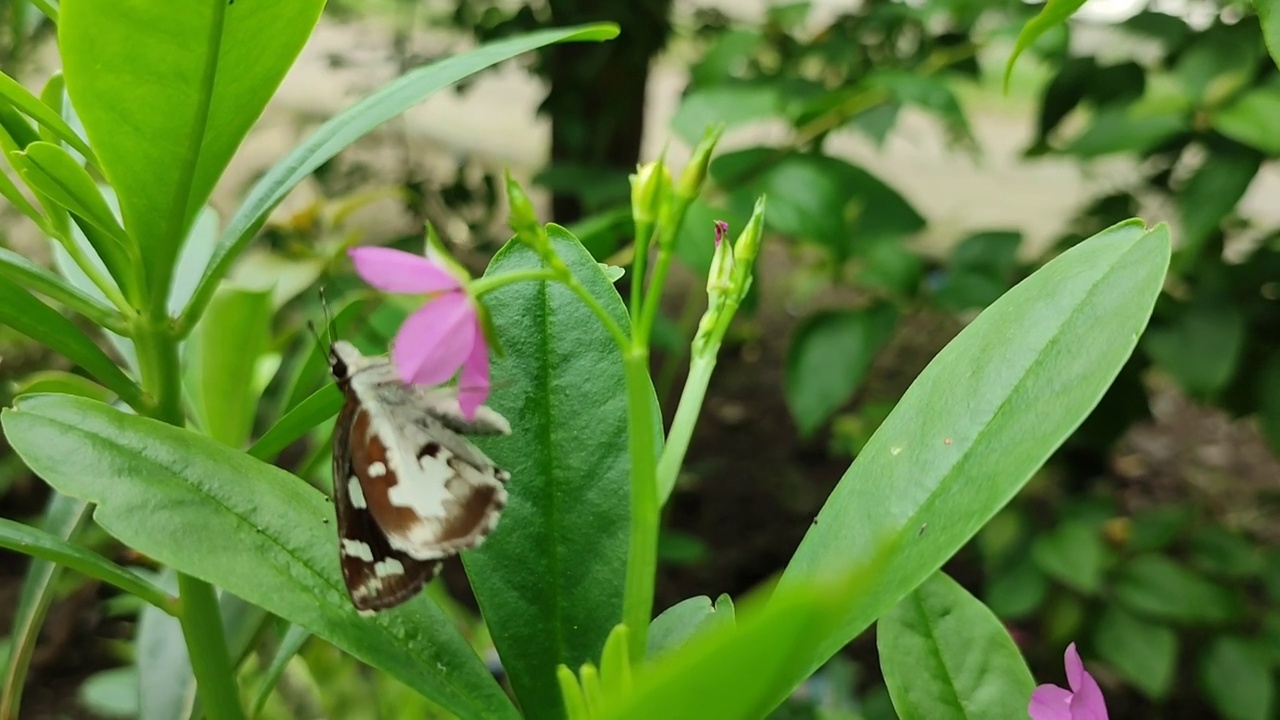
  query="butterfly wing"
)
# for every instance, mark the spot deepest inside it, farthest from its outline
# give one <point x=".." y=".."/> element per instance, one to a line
<point x="377" y="575"/>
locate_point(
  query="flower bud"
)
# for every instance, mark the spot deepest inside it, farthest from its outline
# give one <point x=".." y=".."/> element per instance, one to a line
<point x="650" y="188"/>
<point x="523" y="220"/>
<point x="747" y="246"/>
<point x="695" y="173"/>
<point x="723" y="264"/>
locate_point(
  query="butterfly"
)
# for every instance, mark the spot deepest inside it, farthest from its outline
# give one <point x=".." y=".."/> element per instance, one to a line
<point x="409" y="487"/>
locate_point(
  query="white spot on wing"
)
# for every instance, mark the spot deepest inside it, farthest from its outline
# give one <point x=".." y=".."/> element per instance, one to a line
<point x="377" y="469"/>
<point x="388" y="567"/>
<point x="355" y="493"/>
<point x="424" y="492"/>
<point x="357" y="549"/>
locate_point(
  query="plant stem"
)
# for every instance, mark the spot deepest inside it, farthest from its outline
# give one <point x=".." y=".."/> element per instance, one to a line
<point x="667" y="232"/>
<point x="642" y="552"/>
<point x="687" y="412"/>
<point x="483" y="285"/>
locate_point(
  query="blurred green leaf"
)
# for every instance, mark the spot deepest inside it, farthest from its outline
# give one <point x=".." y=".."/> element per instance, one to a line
<point x="1209" y="196"/>
<point x="677" y="624"/>
<point x="158" y="486"/>
<point x="24" y="313"/>
<point x="1054" y="13"/>
<point x="1073" y="554"/>
<point x="220" y="360"/>
<point x="1143" y="652"/>
<point x="1124" y="130"/>
<point x="1017" y="591"/>
<point x="818" y="198"/>
<point x="1253" y="119"/>
<point x="1160" y="588"/>
<point x="1158" y="527"/>
<point x="355" y="122"/>
<point x="828" y="359"/>
<point x="891" y="267"/>
<point x="1218" y="551"/>
<point x="294" y="638"/>
<point x="166" y="93"/>
<point x="111" y="693"/>
<point x="1270" y="21"/>
<point x="930" y="93"/>
<point x="1219" y="62"/>
<point x="1201" y="347"/>
<point x="1236" y="676"/>
<point x="945" y="656"/>
<point x="981" y="418"/>
<point x="731" y="104"/>
<point x="550" y="577"/>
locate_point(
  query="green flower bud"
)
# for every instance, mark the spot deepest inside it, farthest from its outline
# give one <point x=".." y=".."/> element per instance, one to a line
<point x="523" y="220"/>
<point x="650" y="188"/>
<point x="695" y="173"/>
<point x="723" y="264"/>
<point x="747" y="246"/>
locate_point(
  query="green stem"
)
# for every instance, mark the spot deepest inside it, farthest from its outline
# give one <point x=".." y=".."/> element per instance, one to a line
<point x="668" y="230"/>
<point x="90" y="270"/>
<point x="642" y="554"/>
<point x="687" y="412"/>
<point x="644" y="233"/>
<point x="488" y="284"/>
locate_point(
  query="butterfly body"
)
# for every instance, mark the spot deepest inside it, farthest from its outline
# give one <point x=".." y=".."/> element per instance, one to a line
<point x="409" y="487"/>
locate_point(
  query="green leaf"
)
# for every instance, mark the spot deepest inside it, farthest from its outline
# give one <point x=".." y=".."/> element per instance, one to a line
<point x="1270" y="21"/>
<point x="47" y="546"/>
<point x="1162" y="589"/>
<point x="1158" y="527"/>
<point x="1143" y="652"/>
<point x="23" y="99"/>
<point x="1055" y="12"/>
<point x="677" y="624"/>
<point x="63" y="518"/>
<point x="61" y="381"/>
<point x="1220" y="62"/>
<point x="221" y="356"/>
<point x="166" y="93"/>
<point x="315" y="409"/>
<point x="828" y="359"/>
<point x="34" y="277"/>
<point x="294" y="638"/>
<point x="946" y="656"/>
<point x="1218" y="551"/>
<point x="1237" y="678"/>
<point x="929" y="93"/>
<point x="818" y="198"/>
<point x="1201" y="347"/>
<point x="1073" y="554"/>
<point x="158" y="486"/>
<point x="1017" y="591"/>
<point x="549" y="579"/>
<point x="732" y="104"/>
<point x="1125" y="130"/>
<point x="981" y="418"/>
<point x="355" y="122"/>
<point x="24" y="313"/>
<point x="1209" y="195"/>
<point x="1253" y="119"/>
<point x="111" y="693"/>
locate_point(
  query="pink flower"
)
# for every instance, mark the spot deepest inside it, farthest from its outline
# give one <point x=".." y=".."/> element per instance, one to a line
<point x="440" y="338"/>
<point x="1082" y="702"/>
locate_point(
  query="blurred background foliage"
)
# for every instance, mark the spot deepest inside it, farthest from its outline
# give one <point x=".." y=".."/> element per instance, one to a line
<point x="1151" y="539"/>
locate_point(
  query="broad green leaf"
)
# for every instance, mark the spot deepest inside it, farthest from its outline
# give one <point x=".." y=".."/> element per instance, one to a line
<point x="1017" y="591"/>
<point x="1143" y="652"/>
<point x="47" y="546"/>
<point x="1253" y="119"/>
<point x="1270" y="21"/>
<point x="549" y="579"/>
<point x="1073" y="554"/>
<point x="1219" y="62"/>
<point x="1201" y="347"/>
<point x="221" y="356"/>
<point x="1054" y="13"/>
<point x="63" y="518"/>
<point x="355" y="122"/>
<point x="982" y="417"/>
<point x="828" y="359"/>
<point x="166" y="92"/>
<point x="48" y="118"/>
<point x="677" y="624"/>
<point x="1160" y="588"/>
<point x="1219" y="551"/>
<point x="1236" y="676"/>
<point x="158" y="486"/>
<point x="818" y="198"/>
<point x="1124" y="130"/>
<point x="24" y="313"/>
<point x="1209" y="196"/>
<point x="1157" y="527"/>
<point x="945" y="656"/>
<point x="731" y="104"/>
<point x="315" y="409"/>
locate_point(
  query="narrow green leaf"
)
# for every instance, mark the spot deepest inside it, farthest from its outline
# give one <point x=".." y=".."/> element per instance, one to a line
<point x="23" y="312"/>
<point x="44" y="545"/>
<point x="355" y="122"/>
<point x="677" y="624"/>
<point x="63" y="517"/>
<point x="23" y="99"/>
<point x="1237" y="678"/>
<point x="1143" y="652"/>
<point x="219" y="369"/>
<point x="158" y="486"/>
<point x="1055" y="12"/>
<point x="315" y="409"/>
<point x="981" y="418"/>
<point x="828" y="359"/>
<point x="549" y="579"/>
<point x="166" y="93"/>
<point x="945" y="656"/>
<point x="63" y="382"/>
<point x="9" y="189"/>
<point x="34" y="277"/>
<point x="294" y="638"/>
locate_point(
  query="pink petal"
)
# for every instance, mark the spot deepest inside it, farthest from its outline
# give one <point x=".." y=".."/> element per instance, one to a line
<point x="434" y="341"/>
<point x="1075" y="667"/>
<point x="473" y="384"/>
<point x="396" y="271"/>
<point x="1050" y="702"/>
<point x="1088" y="703"/>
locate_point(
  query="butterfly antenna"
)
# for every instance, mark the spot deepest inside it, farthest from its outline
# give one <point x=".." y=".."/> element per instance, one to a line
<point x="328" y="318"/>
